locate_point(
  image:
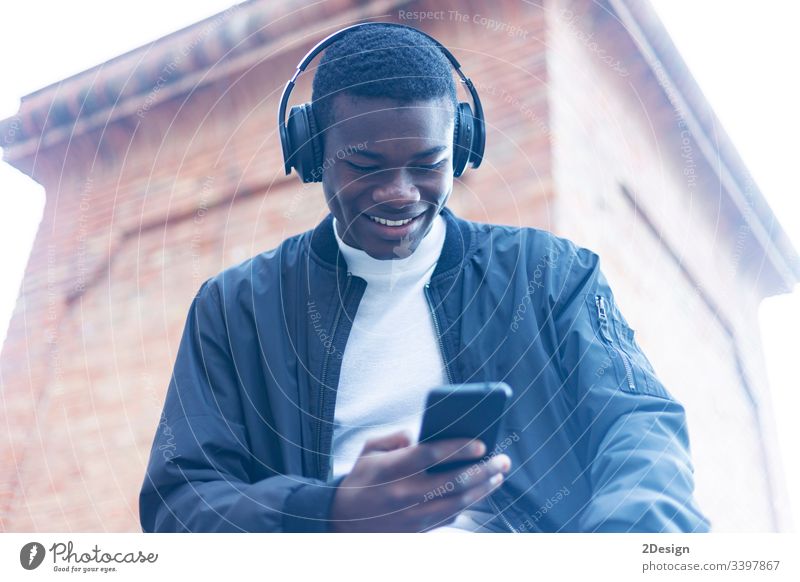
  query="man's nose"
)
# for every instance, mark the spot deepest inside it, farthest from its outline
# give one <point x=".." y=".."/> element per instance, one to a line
<point x="398" y="191"/>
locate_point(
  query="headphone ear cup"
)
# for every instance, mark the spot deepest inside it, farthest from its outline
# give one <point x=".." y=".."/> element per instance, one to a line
<point x="463" y="137"/>
<point x="305" y="155"/>
<point x="315" y="140"/>
<point x="478" y="140"/>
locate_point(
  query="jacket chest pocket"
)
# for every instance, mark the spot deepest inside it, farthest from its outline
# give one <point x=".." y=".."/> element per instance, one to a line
<point x="625" y="356"/>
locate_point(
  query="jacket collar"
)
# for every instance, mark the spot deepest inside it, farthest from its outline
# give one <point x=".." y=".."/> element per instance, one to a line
<point x="458" y="244"/>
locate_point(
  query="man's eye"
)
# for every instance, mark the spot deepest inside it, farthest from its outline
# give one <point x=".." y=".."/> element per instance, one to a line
<point x="359" y="168"/>
<point x="429" y="167"/>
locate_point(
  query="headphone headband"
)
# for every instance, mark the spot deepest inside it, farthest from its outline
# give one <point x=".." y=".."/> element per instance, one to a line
<point x="476" y="150"/>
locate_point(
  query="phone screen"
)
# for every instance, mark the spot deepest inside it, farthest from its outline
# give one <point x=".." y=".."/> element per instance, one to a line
<point x="473" y="411"/>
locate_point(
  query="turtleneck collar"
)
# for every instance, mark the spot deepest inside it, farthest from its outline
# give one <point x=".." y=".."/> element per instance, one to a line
<point x="411" y="266"/>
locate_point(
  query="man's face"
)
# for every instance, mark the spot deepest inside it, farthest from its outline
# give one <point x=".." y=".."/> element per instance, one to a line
<point x="387" y="160"/>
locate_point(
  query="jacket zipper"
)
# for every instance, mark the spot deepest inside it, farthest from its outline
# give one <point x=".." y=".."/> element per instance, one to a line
<point x="502" y="517"/>
<point x="450" y="380"/>
<point x="322" y="383"/>
<point x="438" y="332"/>
<point x="601" y="313"/>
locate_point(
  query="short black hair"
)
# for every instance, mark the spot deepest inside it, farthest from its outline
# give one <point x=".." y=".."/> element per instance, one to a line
<point x="381" y="61"/>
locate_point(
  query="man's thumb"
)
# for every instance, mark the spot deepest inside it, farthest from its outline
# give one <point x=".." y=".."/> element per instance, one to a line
<point x="389" y="442"/>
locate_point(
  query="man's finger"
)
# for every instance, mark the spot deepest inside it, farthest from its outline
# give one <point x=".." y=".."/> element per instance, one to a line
<point x="416" y="459"/>
<point x="470" y="476"/>
<point x="389" y="442"/>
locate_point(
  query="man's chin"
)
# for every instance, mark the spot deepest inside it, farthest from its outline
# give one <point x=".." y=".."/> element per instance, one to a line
<point x="389" y="250"/>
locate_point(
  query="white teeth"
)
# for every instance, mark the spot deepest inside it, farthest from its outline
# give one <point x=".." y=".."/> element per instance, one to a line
<point x="391" y="222"/>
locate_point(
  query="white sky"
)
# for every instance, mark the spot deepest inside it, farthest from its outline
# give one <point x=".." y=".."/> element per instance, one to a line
<point x="743" y="58"/>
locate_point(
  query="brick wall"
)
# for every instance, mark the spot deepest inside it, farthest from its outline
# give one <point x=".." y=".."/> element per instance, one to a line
<point x="140" y="213"/>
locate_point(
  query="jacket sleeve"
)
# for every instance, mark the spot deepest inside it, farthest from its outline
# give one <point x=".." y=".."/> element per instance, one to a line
<point x="198" y="476"/>
<point x="635" y="438"/>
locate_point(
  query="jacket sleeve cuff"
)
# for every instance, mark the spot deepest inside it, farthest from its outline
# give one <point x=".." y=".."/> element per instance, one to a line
<point x="307" y="508"/>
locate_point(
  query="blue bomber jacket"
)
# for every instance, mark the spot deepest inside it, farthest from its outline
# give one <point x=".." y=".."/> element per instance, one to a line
<point x="596" y="441"/>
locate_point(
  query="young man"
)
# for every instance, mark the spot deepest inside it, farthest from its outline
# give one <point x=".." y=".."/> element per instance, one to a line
<point x="301" y="377"/>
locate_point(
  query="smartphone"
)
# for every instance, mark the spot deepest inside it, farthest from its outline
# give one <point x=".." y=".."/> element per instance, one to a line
<point x="473" y="411"/>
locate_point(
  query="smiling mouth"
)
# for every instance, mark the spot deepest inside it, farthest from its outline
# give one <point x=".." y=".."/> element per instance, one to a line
<point x="387" y="222"/>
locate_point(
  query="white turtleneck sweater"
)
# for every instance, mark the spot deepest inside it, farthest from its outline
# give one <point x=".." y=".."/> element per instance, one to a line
<point x="392" y="358"/>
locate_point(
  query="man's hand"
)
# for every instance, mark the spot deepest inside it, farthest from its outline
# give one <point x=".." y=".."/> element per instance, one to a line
<point x="388" y="488"/>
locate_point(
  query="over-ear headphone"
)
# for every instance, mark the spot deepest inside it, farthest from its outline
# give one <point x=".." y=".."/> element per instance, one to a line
<point x="302" y="144"/>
